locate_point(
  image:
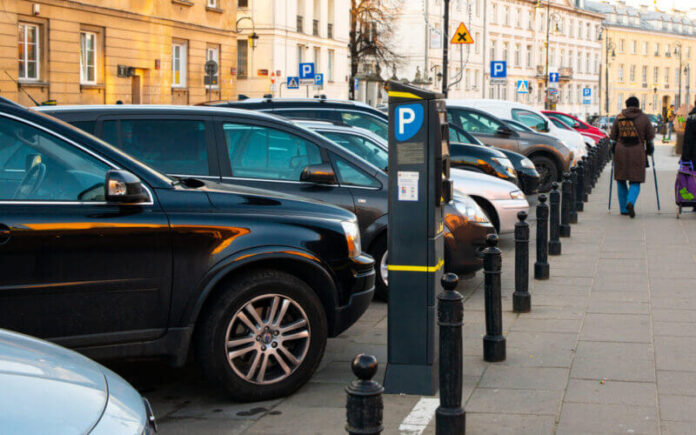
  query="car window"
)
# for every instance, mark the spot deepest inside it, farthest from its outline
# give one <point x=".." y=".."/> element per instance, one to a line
<point x="87" y="126"/>
<point x="172" y="146"/>
<point x="477" y="123"/>
<point x="570" y="122"/>
<point x="301" y="114"/>
<point x="517" y="126"/>
<point x="530" y="119"/>
<point x="362" y="147"/>
<point x="349" y="175"/>
<point x="368" y="122"/>
<point x="560" y="124"/>
<point x="50" y="170"/>
<point x="267" y="153"/>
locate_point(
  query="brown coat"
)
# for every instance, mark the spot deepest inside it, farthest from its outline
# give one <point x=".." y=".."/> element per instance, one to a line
<point x="630" y="159"/>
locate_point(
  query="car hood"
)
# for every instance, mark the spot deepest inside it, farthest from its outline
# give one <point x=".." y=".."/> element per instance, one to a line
<point x="572" y="138"/>
<point x="48" y="389"/>
<point x="476" y="184"/>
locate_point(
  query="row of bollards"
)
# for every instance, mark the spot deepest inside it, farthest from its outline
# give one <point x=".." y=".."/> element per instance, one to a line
<point x="364" y="406"/>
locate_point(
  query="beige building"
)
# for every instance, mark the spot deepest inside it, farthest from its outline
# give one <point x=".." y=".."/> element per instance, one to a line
<point x="651" y="55"/>
<point x="104" y="51"/>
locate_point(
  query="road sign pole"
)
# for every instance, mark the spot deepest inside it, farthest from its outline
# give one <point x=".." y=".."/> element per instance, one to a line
<point x="445" y="49"/>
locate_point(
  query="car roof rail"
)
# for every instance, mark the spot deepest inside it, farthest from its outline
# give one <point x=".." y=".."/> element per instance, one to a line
<point x="8" y="102"/>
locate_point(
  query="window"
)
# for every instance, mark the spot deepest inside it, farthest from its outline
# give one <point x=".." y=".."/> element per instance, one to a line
<point x="507" y="16"/>
<point x="29" y="49"/>
<point x="37" y="166"/>
<point x="518" y="62"/>
<point x="213" y="53"/>
<point x="300" y="52"/>
<point x="644" y="75"/>
<point x="478" y="46"/>
<point x="634" y="47"/>
<point x="667" y="76"/>
<point x="621" y="73"/>
<point x="477" y="123"/>
<point x="478" y="8"/>
<point x="180" y="65"/>
<point x="467" y="79"/>
<point x="242" y="3"/>
<point x="361" y="147"/>
<point x="172" y="146"/>
<point x="212" y="3"/>
<point x="530" y="21"/>
<point x="506" y="51"/>
<point x="494" y="50"/>
<point x="622" y="42"/>
<point x="552" y="56"/>
<point x="645" y="48"/>
<point x="476" y="79"/>
<point x="657" y="49"/>
<point x="632" y="74"/>
<point x="88" y="58"/>
<point x="267" y="153"/>
<point x="349" y="175"/>
<point x="530" y="119"/>
<point x="368" y="122"/>
<point x="518" y="18"/>
<point x="619" y="102"/>
<point x="656" y="74"/>
<point x="529" y="56"/>
<point x="330" y="66"/>
<point x="316" y="57"/>
<point x="242" y="59"/>
<point x="494" y="14"/>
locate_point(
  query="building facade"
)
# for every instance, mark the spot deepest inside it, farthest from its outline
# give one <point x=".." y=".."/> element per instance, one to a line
<point x="647" y="54"/>
<point x="290" y="32"/>
<point x="104" y="51"/>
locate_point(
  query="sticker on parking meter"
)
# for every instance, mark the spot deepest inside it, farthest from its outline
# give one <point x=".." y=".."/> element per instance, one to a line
<point x="409" y="119"/>
<point x="408" y="185"/>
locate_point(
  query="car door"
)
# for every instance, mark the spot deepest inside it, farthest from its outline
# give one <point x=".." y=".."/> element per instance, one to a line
<point x="485" y="128"/>
<point x="270" y="156"/>
<point x="75" y="268"/>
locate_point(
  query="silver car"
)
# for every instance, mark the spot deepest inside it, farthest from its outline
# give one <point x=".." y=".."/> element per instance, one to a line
<point x="499" y="199"/>
<point x="49" y="389"/>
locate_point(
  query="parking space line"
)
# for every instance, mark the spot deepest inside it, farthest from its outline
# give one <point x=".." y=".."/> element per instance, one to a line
<point x="419" y="417"/>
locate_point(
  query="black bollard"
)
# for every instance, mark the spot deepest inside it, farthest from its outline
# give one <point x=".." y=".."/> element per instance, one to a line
<point x="590" y="173"/>
<point x="573" y="214"/>
<point x="364" y="406"/>
<point x="541" y="267"/>
<point x="493" y="341"/>
<point x="450" y="417"/>
<point x="585" y="178"/>
<point x="565" y="206"/>
<point x="521" y="299"/>
<point x="595" y="166"/>
<point x="555" y="220"/>
<point x="580" y="186"/>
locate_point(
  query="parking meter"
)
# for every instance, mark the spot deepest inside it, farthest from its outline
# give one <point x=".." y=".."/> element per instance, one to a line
<point x="419" y="187"/>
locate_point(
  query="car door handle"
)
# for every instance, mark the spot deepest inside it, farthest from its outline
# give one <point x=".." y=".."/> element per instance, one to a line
<point x="4" y="234"/>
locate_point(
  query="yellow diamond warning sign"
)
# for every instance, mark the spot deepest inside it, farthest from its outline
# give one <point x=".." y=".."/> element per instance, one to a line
<point x="462" y="35"/>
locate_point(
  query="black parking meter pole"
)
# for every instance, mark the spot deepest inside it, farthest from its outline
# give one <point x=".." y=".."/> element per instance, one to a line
<point x="493" y="341"/>
<point x="364" y="405"/>
<point x="541" y="267"/>
<point x="450" y="417"/>
<point x="564" y="230"/>
<point x="580" y="187"/>
<point x="419" y="187"/>
<point x="521" y="299"/>
<point x="555" y="220"/>
<point x="573" y="214"/>
<point x="585" y="178"/>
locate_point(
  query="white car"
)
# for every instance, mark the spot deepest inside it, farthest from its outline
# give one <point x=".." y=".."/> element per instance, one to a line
<point x="530" y="117"/>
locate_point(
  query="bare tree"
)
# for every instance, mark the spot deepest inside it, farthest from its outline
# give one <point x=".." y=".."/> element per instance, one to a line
<point x="370" y="34"/>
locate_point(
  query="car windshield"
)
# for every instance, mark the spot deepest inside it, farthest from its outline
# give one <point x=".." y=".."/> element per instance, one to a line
<point x="518" y="126"/>
<point x="365" y="148"/>
<point x="458" y="135"/>
<point x="560" y="124"/>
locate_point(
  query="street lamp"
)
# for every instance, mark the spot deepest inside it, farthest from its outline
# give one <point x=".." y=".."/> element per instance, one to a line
<point x="678" y="51"/>
<point x="610" y="49"/>
<point x="687" y="70"/>
<point x="556" y="17"/>
<point x="254" y="37"/>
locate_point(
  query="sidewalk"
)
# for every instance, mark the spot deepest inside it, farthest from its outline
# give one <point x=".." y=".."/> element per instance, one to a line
<point x="609" y="347"/>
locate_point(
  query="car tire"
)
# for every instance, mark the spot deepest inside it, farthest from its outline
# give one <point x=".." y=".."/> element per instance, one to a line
<point x="291" y="345"/>
<point x="378" y="251"/>
<point x="548" y="172"/>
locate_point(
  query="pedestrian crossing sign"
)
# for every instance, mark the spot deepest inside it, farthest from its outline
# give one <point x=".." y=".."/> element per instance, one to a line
<point x="462" y="35"/>
<point x="522" y="86"/>
<point x="293" y="82"/>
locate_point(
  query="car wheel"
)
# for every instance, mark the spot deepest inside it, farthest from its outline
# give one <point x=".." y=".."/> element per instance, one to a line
<point x="263" y="337"/>
<point x="379" y="253"/>
<point x="548" y="172"/>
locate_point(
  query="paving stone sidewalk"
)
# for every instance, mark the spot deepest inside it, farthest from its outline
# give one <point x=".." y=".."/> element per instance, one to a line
<point x="609" y="347"/>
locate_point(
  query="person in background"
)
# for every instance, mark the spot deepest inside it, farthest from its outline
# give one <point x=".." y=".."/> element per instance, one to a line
<point x="689" y="149"/>
<point x="633" y="133"/>
<point x="669" y="120"/>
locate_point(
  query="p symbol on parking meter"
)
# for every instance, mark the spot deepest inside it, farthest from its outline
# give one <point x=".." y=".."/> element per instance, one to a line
<point x="409" y="120"/>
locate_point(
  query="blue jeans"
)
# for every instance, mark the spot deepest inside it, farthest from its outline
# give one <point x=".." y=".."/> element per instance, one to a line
<point x="668" y="132"/>
<point x="627" y="194"/>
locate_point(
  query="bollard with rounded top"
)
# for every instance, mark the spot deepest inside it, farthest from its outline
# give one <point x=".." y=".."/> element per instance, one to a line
<point x="364" y="406"/>
<point x="541" y="267"/>
<point x="580" y="186"/>
<point x="564" y="229"/>
<point x="573" y="215"/>
<point x="493" y="341"/>
<point x="521" y="299"/>
<point x="555" y="220"/>
<point x="595" y="165"/>
<point x="450" y="417"/>
<point x="590" y="173"/>
<point x="585" y="179"/>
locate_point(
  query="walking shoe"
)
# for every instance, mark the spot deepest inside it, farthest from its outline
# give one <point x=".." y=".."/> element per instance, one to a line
<point x="624" y="213"/>
<point x="631" y="210"/>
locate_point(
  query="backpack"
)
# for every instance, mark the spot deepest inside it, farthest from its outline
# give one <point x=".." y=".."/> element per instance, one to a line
<point x="628" y="133"/>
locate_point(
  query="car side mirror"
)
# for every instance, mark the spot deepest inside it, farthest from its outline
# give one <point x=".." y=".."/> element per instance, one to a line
<point x="504" y="131"/>
<point x="542" y="126"/>
<point x="124" y="188"/>
<point x="319" y="174"/>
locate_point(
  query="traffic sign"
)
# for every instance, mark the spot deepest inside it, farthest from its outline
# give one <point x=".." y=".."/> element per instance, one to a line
<point x="553" y="77"/>
<point x="318" y="79"/>
<point x="498" y="69"/>
<point x="553" y="91"/>
<point x="586" y="95"/>
<point x="307" y="70"/>
<point x="211" y="67"/>
<point x="522" y="86"/>
<point x="293" y="82"/>
<point x="462" y="35"/>
<point x="355" y="84"/>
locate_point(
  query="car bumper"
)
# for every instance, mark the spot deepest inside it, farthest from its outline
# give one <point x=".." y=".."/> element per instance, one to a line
<point x="361" y="285"/>
<point x="462" y="247"/>
<point x="528" y="180"/>
<point x="507" y="210"/>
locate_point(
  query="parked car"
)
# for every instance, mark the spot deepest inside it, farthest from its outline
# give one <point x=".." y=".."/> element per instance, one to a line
<point x="567" y="124"/>
<point x="550" y="156"/>
<point x="49" y="389"/>
<point x="248" y="148"/>
<point x="103" y="254"/>
<point x="500" y="200"/>
<point x="579" y="125"/>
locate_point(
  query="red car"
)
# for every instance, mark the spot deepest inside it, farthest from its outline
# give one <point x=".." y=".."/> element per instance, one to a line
<point x="581" y="127"/>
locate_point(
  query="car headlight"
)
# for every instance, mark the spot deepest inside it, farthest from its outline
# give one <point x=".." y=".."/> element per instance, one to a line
<point x="517" y="194"/>
<point x="352" y="232"/>
<point x="526" y="163"/>
<point x="507" y="164"/>
<point x="468" y="208"/>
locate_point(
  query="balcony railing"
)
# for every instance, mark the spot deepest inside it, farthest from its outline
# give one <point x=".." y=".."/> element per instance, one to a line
<point x="315" y="27"/>
<point x="300" y="24"/>
<point x="329" y="31"/>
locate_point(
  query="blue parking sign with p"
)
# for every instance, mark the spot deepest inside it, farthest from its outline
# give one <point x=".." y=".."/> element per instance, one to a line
<point x="307" y="70"/>
<point x="409" y="120"/>
<point x="587" y="92"/>
<point x="498" y="69"/>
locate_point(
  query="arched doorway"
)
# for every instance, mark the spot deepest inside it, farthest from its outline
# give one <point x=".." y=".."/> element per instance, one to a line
<point x="665" y="105"/>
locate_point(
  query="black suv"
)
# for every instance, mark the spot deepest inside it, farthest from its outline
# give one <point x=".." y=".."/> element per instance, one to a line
<point x="102" y="254"/>
<point x="265" y="151"/>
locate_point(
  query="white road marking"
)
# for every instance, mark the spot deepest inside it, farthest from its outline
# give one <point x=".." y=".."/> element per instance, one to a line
<point x="419" y="417"/>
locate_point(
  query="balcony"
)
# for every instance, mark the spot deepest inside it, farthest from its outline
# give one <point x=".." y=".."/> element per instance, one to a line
<point x="300" y="24"/>
<point x="315" y="27"/>
<point x="565" y="73"/>
<point x="541" y="72"/>
<point x="329" y="30"/>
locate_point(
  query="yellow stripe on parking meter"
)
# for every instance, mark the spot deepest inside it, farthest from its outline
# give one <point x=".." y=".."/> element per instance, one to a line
<point x="397" y="94"/>
<point x="399" y="268"/>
